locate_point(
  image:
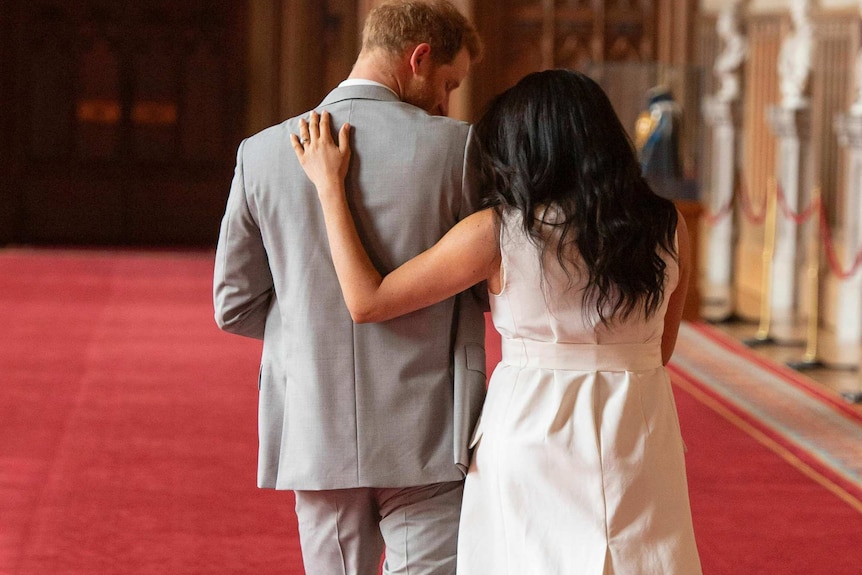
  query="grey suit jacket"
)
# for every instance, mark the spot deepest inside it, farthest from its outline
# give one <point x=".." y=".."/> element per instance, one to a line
<point x="345" y="405"/>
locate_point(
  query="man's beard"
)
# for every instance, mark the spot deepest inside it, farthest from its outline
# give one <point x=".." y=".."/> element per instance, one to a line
<point x="421" y="95"/>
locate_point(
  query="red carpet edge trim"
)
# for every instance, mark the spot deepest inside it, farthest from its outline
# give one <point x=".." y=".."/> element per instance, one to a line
<point x="799" y="459"/>
<point x="786" y="373"/>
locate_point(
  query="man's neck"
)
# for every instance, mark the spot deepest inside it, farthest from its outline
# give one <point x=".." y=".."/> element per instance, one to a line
<point x="378" y="69"/>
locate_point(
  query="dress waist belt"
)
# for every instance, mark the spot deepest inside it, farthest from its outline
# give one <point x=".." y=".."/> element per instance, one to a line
<point x="582" y="356"/>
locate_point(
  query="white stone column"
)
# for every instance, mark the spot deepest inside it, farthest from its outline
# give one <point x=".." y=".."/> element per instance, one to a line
<point x="847" y="314"/>
<point x="795" y="173"/>
<point x="719" y="115"/>
<point x="720" y="111"/>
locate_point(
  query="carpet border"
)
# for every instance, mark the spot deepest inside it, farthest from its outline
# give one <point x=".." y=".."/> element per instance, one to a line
<point x="799" y="458"/>
<point x="792" y="376"/>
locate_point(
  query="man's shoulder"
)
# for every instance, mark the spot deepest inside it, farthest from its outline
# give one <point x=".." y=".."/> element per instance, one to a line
<point x="373" y="97"/>
<point x="395" y="115"/>
<point x="446" y="123"/>
<point x="270" y="137"/>
<point x="274" y="131"/>
<point x="405" y="117"/>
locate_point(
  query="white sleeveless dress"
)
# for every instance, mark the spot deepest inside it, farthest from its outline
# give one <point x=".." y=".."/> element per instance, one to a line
<point x="579" y="465"/>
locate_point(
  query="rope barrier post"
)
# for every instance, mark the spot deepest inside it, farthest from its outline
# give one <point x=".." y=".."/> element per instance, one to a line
<point x="809" y="358"/>
<point x="762" y="337"/>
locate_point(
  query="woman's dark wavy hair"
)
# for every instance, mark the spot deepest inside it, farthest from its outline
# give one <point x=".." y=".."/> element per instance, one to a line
<point x="554" y="140"/>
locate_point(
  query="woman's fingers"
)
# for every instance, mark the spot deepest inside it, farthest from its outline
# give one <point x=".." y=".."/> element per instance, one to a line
<point x="344" y="139"/>
<point x="297" y="147"/>
<point x="314" y="126"/>
<point x="318" y="126"/>
<point x="318" y="129"/>
<point x="323" y="130"/>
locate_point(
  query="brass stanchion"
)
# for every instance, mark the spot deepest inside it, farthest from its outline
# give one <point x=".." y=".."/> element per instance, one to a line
<point x="763" y="336"/>
<point x="809" y="358"/>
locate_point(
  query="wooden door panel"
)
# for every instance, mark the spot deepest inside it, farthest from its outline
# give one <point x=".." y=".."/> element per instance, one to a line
<point x="126" y="118"/>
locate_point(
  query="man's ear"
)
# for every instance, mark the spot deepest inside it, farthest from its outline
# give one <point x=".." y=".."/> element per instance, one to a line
<point x="420" y="59"/>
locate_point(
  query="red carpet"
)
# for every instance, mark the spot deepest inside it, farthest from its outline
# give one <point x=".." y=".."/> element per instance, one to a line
<point x="127" y="424"/>
<point x="128" y="439"/>
<point x="754" y="512"/>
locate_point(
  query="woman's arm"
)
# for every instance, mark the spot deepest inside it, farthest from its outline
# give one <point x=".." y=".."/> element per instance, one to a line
<point x="466" y="255"/>
<point x="675" y="307"/>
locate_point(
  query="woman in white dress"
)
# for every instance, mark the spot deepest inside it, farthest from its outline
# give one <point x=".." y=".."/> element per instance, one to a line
<point x="578" y="466"/>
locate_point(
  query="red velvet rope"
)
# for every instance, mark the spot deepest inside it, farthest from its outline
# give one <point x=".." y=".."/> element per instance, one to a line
<point x="712" y="218"/>
<point x="831" y="256"/>
<point x="797" y="217"/>
<point x="755" y="218"/>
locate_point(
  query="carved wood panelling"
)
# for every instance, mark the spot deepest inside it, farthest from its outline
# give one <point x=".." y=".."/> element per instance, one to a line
<point x="575" y="38"/>
<point x="628" y="30"/>
<point x="573" y="47"/>
<point x="525" y="36"/>
<point x="759" y="149"/>
<point x="762" y="81"/>
<point x="319" y="41"/>
<point x="707" y="49"/>
<point x="342" y="39"/>
<point x="674" y="31"/>
<point x="831" y="87"/>
<point x="525" y="51"/>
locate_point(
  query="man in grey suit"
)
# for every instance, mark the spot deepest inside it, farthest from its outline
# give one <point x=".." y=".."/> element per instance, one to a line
<point x="368" y="424"/>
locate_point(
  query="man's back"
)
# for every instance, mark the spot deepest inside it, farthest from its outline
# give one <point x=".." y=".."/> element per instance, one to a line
<point x="346" y="405"/>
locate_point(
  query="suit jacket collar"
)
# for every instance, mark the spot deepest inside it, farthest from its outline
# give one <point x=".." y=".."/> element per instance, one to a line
<point x="360" y="92"/>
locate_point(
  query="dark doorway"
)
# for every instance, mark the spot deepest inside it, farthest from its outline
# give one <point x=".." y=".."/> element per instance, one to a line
<point x="120" y="119"/>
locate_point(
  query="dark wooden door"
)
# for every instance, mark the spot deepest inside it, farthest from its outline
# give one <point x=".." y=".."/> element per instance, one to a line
<point x="121" y="119"/>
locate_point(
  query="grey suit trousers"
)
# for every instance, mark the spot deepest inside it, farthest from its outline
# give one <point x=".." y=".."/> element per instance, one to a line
<point x="418" y="526"/>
